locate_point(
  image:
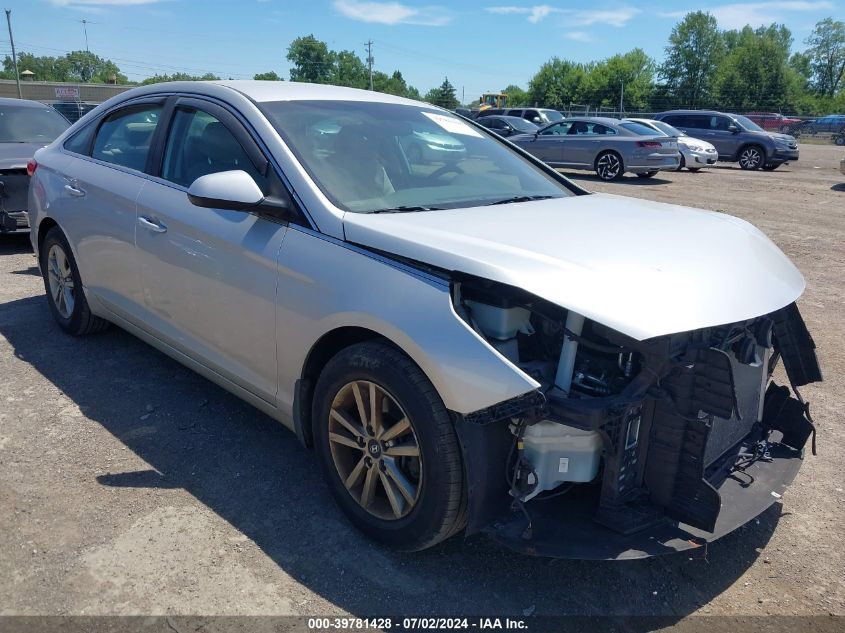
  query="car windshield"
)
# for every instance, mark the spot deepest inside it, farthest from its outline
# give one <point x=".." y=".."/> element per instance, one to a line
<point x="521" y="124"/>
<point x="382" y="157"/>
<point x="666" y="128"/>
<point x="553" y="115"/>
<point x="638" y="128"/>
<point x="748" y="124"/>
<point x="25" y="124"/>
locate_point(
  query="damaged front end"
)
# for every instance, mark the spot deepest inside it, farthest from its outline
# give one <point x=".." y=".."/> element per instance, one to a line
<point x="630" y="448"/>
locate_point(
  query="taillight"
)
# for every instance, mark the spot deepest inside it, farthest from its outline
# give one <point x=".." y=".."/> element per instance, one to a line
<point x="31" y="166"/>
<point x="651" y="144"/>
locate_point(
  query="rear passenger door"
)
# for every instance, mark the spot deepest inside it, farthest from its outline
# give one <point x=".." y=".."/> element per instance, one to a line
<point x="209" y="275"/>
<point x="103" y="185"/>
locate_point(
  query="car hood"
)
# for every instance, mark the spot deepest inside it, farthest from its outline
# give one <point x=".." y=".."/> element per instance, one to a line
<point x="781" y="137"/>
<point x="16" y="155"/>
<point x="643" y="268"/>
<point x="691" y="141"/>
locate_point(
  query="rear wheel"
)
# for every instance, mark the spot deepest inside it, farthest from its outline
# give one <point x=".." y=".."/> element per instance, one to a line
<point x="609" y="166"/>
<point x="648" y="174"/>
<point x="840" y="140"/>
<point x="695" y="170"/>
<point x="771" y="166"/>
<point x="388" y="447"/>
<point x="63" y="286"/>
<point x="751" y="157"/>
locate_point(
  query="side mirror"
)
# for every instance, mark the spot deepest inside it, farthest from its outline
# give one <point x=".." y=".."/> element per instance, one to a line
<point x="733" y="129"/>
<point x="231" y="190"/>
<point x="537" y="120"/>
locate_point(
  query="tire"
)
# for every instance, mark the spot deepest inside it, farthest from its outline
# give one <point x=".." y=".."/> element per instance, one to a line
<point x="433" y="505"/>
<point x="682" y="164"/>
<point x="694" y="170"/>
<point x="63" y="286"/>
<point x="751" y="157"/>
<point x="609" y="166"/>
<point x="648" y="174"/>
<point x="840" y="140"/>
<point x="771" y="166"/>
<point x="784" y="129"/>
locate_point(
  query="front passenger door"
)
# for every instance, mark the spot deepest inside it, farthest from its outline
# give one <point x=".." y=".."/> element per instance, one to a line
<point x="209" y="275"/>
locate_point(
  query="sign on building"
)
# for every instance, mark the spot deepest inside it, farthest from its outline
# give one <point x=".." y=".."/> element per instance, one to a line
<point x="67" y="92"/>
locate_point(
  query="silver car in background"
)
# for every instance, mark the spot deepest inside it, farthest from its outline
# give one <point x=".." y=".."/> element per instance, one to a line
<point x="607" y="146"/>
<point x="460" y="342"/>
<point x="695" y="153"/>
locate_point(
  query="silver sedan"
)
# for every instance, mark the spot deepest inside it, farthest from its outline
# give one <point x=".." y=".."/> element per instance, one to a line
<point x="459" y="341"/>
<point x="607" y="146"/>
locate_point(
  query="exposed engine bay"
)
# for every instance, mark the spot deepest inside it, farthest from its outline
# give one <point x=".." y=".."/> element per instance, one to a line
<point x="648" y="430"/>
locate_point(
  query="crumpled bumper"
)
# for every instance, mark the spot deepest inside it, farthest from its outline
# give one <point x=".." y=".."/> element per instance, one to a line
<point x="565" y="527"/>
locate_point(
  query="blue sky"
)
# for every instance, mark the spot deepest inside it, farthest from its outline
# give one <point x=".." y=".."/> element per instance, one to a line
<point x="480" y="45"/>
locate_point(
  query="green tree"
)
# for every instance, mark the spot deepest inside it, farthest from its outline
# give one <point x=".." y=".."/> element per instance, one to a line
<point x="827" y="56"/>
<point x="77" y="66"/>
<point x="312" y="60"/>
<point x="558" y="83"/>
<point x="443" y="96"/>
<point x="628" y="76"/>
<point x="695" y="50"/>
<point x="755" y="71"/>
<point x="155" y="79"/>
<point x="268" y="76"/>
<point x="516" y="96"/>
<point x="347" y="69"/>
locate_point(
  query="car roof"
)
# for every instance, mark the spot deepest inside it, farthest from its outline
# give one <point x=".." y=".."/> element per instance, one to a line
<point x="693" y="112"/>
<point x="263" y="91"/>
<point x="25" y="103"/>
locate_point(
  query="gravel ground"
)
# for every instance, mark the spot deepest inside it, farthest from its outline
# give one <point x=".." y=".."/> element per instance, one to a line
<point x="130" y="485"/>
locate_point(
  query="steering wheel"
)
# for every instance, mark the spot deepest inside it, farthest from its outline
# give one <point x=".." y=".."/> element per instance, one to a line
<point x="447" y="168"/>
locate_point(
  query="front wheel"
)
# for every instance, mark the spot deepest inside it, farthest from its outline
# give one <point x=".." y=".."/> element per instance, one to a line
<point x="609" y="166"/>
<point x="771" y="166"/>
<point x="751" y="157"/>
<point x="63" y="286"/>
<point x="648" y="174"/>
<point x="840" y="140"/>
<point x="388" y="447"/>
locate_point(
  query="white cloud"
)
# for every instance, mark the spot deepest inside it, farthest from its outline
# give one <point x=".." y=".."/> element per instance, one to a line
<point x="738" y="14"/>
<point x="575" y="17"/>
<point x="392" y="13"/>
<point x="578" y="36"/>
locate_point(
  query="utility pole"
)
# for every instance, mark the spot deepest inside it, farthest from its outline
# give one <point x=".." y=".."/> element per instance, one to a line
<point x="85" y="30"/>
<point x="369" y="45"/>
<point x="14" y="54"/>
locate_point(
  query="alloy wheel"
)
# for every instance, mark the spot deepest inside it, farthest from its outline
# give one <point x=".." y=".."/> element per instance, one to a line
<point x="608" y="166"/>
<point x="62" y="288"/>
<point x="750" y="158"/>
<point x="375" y="450"/>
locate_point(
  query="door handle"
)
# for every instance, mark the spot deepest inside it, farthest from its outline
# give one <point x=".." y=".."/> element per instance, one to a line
<point x="151" y="225"/>
<point x="74" y="191"/>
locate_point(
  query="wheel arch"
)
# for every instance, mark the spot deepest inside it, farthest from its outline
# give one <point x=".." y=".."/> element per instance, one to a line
<point x="747" y="144"/>
<point x="44" y="227"/>
<point x="323" y="350"/>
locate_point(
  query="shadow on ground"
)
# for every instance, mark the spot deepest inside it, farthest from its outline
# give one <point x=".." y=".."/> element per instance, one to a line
<point x="254" y="474"/>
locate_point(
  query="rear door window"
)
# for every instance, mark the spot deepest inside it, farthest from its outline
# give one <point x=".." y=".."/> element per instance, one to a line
<point x="124" y="137"/>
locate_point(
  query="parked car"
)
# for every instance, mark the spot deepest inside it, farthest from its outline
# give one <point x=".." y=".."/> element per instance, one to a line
<point x="608" y="146"/>
<point x="25" y="126"/>
<point x="737" y="139"/>
<point x="538" y="116"/>
<point x="73" y="110"/>
<point x="774" y="122"/>
<point x="833" y="124"/>
<point x="427" y="332"/>
<point x="508" y="125"/>
<point x="695" y="153"/>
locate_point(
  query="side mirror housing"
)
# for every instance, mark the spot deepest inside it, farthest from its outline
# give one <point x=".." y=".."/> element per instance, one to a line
<point x="733" y="129"/>
<point x="231" y="190"/>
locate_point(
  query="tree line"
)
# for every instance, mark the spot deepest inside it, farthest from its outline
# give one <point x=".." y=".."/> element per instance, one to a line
<point x="704" y="67"/>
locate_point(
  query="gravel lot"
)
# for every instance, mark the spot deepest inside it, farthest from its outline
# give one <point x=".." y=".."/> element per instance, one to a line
<point x="130" y="485"/>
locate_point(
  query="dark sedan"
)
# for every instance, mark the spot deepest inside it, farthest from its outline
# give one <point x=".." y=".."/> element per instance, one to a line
<point x="25" y="126"/>
<point x="508" y="125"/>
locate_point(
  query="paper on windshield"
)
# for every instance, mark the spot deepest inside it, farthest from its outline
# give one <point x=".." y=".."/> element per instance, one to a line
<point x="452" y="125"/>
